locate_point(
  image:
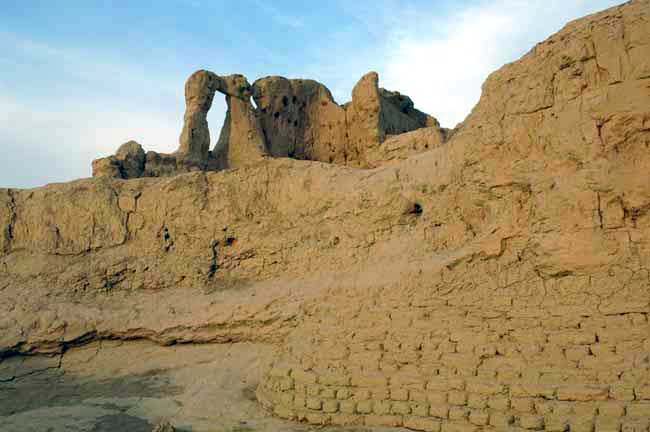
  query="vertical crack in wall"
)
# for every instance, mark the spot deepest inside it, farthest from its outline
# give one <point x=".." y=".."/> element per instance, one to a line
<point x="9" y="229"/>
<point x="214" y="265"/>
<point x="168" y="242"/>
<point x="127" y="235"/>
<point x="599" y="128"/>
<point x="600" y="211"/>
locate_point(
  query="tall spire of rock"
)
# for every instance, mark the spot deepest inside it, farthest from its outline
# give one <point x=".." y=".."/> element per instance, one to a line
<point x="242" y="140"/>
<point x="195" y="136"/>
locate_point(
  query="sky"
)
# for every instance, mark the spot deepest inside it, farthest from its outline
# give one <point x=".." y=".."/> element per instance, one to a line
<point x="80" y="77"/>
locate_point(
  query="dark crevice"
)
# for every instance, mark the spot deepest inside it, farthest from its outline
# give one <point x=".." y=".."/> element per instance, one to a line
<point x="59" y="239"/>
<point x="599" y="128"/>
<point x="17" y="350"/>
<point x="416" y="209"/>
<point x="122" y="170"/>
<point x="9" y="230"/>
<point x="167" y="239"/>
<point x="561" y="274"/>
<point x="600" y="211"/>
<point x="214" y="266"/>
<point x="228" y="241"/>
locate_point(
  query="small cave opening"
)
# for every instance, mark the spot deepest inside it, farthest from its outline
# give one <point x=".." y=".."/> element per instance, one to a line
<point x="417" y="209"/>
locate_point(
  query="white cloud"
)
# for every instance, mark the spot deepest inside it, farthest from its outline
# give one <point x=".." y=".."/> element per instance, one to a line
<point x="53" y="125"/>
<point x="42" y="145"/>
<point x="443" y="69"/>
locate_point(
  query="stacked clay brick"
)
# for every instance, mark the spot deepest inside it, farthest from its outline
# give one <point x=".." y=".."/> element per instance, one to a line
<point x="487" y="373"/>
<point x="487" y="345"/>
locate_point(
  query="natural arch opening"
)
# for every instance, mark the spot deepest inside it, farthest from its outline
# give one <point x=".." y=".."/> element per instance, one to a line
<point x="216" y="117"/>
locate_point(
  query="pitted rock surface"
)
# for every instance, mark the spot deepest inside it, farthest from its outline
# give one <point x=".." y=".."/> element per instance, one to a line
<point x="294" y="118"/>
<point x="301" y="119"/>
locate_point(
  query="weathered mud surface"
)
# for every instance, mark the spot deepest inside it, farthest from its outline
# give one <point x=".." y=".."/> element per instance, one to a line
<point x="131" y="386"/>
<point x="498" y="280"/>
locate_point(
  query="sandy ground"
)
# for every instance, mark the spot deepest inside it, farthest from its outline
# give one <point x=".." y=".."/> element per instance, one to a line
<point x="131" y="386"/>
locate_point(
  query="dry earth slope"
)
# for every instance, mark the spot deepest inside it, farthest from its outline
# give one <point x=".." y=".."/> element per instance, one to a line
<point x="499" y="280"/>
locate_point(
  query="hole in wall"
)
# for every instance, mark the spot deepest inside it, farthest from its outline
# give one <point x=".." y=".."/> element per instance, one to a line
<point x="216" y="118"/>
<point x="416" y="209"/>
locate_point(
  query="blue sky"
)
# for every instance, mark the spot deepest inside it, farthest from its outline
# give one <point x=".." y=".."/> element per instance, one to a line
<point x="78" y="78"/>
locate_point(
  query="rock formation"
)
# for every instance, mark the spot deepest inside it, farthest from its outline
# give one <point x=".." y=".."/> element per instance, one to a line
<point x="195" y="137"/>
<point x="376" y="114"/>
<point x="128" y="162"/>
<point x="301" y="119"/>
<point x="499" y="280"/>
<point x="242" y="140"/>
<point x="131" y="159"/>
<point x="294" y="118"/>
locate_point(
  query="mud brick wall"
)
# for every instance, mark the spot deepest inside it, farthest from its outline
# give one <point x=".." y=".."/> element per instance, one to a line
<point x="552" y="355"/>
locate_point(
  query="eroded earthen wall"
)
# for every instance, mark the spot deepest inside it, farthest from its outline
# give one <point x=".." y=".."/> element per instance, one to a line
<point x="498" y="282"/>
<point x="503" y="341"/>
<point x="513" y="350"/>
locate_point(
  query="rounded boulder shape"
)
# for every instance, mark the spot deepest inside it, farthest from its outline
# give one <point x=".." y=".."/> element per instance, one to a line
<point x="106" y="167"/>
<point x="132" y="159"/>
